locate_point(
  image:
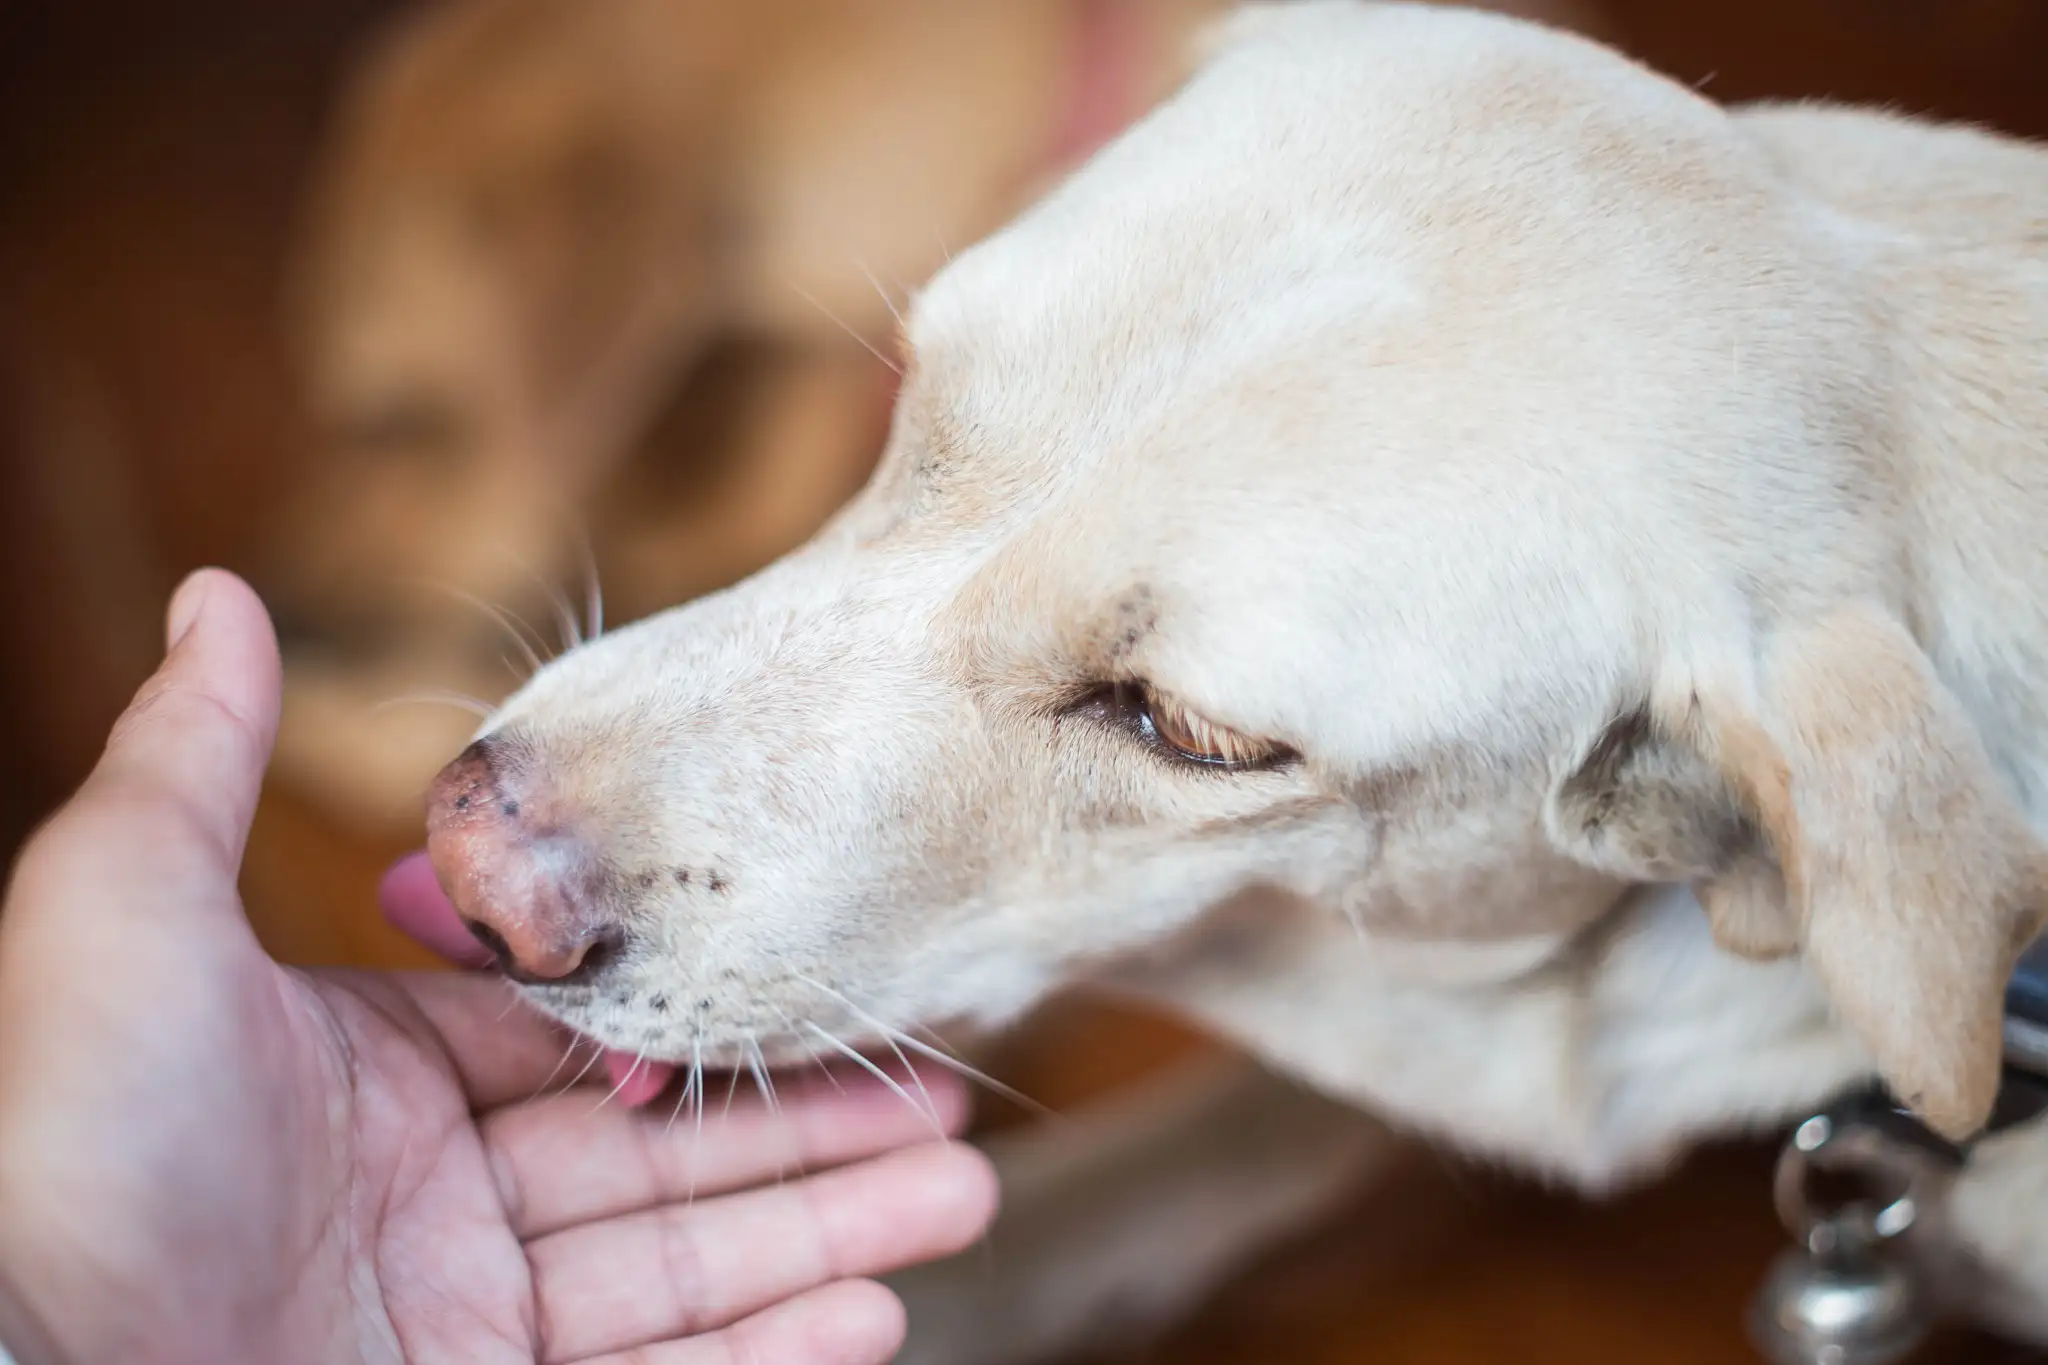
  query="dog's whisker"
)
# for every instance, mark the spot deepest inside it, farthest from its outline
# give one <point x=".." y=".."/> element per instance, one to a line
<point x="570" y="629"/>
<point x="526" y="650"/>
<point x="593" y="579"/>
<point x="689" y="1081"/>
<point x="757" y="1063"/>
<point x="577" y="529"/>
<point x="1351" y="917"/>
<point x="846" y="327"/>
<point x="584" y="1070"/>
<point x="694" y="1086"/>
<point x="894" y="1036"/>
<point x="887" y="302"/>
<point x="981" y="1078"/>
<point x="732" y="1089"/>
<point x="884" y="1077"/>
<point x="565" y="613"/>
<point x="512" y="1001"/>
<point x="757" y="1067"/>
<point x="518" y="627"/>
<point x="556" y="1070"/>
<point x="931" y="1106"/>
<point x="433" y="696"/>
<point x="923" y="1090"/>
<point x="824" y="1068"/>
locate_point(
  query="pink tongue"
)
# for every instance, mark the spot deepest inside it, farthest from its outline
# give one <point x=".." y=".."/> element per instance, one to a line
<point x="635" y="1082"/>
<point x="414" y="904"/>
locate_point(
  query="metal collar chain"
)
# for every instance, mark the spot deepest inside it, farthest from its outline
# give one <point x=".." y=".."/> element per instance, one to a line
<point x="1854" y="1180"/>
<point x="1851" y="1183"/>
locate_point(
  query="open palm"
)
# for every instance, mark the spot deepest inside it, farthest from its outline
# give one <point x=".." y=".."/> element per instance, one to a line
<point x="207" y="1157"/>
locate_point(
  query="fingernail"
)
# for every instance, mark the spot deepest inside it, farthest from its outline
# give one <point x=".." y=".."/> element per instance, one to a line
<point x="185" y="605"/>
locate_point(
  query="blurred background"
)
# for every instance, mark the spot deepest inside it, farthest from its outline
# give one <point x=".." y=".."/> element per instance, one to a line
<point x="427" y="317"/>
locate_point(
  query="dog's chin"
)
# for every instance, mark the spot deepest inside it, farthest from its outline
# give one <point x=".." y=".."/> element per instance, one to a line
<point x="789" y="1043"/>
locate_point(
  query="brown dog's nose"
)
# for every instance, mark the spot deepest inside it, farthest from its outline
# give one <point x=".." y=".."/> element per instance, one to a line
<point x="529" y="891"/>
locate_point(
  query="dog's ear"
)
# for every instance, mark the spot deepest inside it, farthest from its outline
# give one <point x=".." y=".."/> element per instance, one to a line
<point x="1844" y="807"/>
<point x="1644" y="805"/>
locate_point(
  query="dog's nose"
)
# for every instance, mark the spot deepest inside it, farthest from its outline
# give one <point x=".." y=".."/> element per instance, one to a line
<point x="529" y="891"/>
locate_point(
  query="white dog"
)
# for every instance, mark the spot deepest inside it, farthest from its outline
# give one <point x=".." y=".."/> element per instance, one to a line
<point x="1343" y="561"/>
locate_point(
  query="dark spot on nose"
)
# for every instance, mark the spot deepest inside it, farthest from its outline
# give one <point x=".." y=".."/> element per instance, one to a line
<point x="682" y="876"/>
<point x="658" y="1003"/>
<point x="462" y="803"/>
<point x="718" y="883"/>
<point x="509" y="809"/>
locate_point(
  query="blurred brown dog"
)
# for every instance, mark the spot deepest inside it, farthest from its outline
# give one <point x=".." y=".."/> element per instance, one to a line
<point x="537" y="220"/>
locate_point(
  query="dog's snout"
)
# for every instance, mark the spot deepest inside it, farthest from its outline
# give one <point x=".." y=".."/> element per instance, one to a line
<point x="528" y="889"/>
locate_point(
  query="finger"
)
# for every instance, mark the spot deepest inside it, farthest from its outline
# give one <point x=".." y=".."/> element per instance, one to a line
<point x="502" y="1050"/>
<point x="414" y="904"/>
<point x="558" y="1164"/>
<point x="853" y="1322"/>
<point x="189" y="752"/>
<point x="157" y="830"/>
<point x="682" y="1270"/>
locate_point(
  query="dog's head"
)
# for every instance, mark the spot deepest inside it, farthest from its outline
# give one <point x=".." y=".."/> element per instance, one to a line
<point x="1421" y="469"/>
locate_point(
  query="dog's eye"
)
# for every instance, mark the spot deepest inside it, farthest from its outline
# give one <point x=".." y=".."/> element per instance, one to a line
<point x="1174" y="729"/>
<point x="1188" y="735"/>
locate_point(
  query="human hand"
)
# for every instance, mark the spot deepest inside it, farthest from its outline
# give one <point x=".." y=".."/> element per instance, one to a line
<point x="207" y="1157"/>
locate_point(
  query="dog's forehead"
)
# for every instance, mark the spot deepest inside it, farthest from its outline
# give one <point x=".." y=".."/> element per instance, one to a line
<point x="1331" y="322"/>
<point x="1344" y="178"/>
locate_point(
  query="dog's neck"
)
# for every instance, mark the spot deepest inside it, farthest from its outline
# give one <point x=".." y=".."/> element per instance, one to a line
<point x="1970" y="423"/>
<point x="1973" y="437"/>
<point x="1955" y="284"/>
<point x="1597" y="1059"/>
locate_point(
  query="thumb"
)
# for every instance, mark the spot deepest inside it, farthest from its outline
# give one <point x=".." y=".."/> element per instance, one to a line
<point x="193" y="744"/>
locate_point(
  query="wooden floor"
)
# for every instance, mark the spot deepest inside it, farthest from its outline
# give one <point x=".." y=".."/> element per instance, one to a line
<point x="144" y="191"/>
